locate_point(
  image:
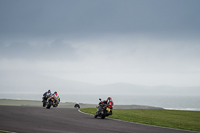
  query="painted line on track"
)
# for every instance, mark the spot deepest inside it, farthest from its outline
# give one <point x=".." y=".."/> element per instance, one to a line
<point x="142" y="124"/>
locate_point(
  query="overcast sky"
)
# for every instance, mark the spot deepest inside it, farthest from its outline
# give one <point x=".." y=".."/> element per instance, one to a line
<point x="144" y="42"/>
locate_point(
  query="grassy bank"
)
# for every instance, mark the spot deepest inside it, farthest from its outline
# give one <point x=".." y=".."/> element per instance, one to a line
<point x="187" y="120"/>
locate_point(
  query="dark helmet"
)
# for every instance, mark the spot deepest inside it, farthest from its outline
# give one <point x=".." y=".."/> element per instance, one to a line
<point x="109" y="98"/>
<point x="55" y="92"/>
<point x="49" y="91"/>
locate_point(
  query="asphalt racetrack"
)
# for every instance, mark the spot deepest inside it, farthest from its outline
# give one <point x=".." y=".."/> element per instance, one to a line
<point x="27" y="119"/>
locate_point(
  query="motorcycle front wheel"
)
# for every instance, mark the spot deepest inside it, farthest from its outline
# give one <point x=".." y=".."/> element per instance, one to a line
<point x="49" y="105"/>
<point x="44" y="103"/>
<point x="103" y="116"/>
<point x="96" y="114"/>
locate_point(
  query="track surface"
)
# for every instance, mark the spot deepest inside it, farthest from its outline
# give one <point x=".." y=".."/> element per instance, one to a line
<point x="23" y="119"/>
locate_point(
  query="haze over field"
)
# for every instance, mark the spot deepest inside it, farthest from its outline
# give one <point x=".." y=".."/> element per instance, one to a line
<point x="92" y="45"/>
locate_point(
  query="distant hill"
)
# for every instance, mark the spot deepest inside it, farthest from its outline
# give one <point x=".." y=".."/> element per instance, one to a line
<point x="29" y="82"/>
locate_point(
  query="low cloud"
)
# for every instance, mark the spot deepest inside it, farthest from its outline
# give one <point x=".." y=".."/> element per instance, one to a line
<point x="101" y="60"/>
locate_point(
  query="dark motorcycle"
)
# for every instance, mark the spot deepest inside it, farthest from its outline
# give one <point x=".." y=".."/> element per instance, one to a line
<point x="103" y="110"/>
<point x="51" y="102"/>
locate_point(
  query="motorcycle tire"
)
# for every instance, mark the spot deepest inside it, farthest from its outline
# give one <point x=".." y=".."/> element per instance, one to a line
<point x="49" y="105"/>
<point x="103" y="116"/>
<point x="55" y="105"/>
<point x="95" y="116"/>
<point x="44" y="103"/>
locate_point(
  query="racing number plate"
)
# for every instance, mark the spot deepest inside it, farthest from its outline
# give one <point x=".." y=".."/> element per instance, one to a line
<point x="108" y="109"/>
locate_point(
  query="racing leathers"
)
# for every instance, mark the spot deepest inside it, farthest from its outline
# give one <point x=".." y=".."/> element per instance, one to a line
<point x="57" y="98"/>
<point x="46" y="95"/>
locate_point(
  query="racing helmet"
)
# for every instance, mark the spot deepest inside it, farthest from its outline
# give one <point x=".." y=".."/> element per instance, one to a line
<point x="49" y="91"/>
<point x="109" y="98"/>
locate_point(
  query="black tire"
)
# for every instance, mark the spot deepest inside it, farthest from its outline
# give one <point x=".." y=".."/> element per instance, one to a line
<point x="44" y="103"/>
<point x="49" y="105"/>
<point x="103" y="116"/>
<point x="55" y="105"/>
<point x="95" y="116"/>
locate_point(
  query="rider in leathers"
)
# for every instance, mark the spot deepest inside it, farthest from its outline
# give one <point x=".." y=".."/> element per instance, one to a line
<point x="57" y="98"/>
<point x="47" y="94"/>
<point x="108" y="102"/>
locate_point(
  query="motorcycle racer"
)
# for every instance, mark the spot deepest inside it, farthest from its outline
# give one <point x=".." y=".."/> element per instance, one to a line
<point x="108" y="102"/>
<point x="47" y="94"/>
<point x="57" y="98"/>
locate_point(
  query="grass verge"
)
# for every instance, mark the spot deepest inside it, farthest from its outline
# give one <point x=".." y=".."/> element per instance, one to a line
<point x="187" y="120"/>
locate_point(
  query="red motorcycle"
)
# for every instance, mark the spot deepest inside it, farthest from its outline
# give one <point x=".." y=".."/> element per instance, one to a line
<point x="51" y="102"/>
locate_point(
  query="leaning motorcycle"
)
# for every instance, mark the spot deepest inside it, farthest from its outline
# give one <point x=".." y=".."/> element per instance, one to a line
<point x="103" y="110"/>
<point x="51" y="102"/>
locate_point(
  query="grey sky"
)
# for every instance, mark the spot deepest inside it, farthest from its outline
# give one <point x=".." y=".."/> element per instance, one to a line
<point x="43" y="18"/>
<point x="143" y="42"/>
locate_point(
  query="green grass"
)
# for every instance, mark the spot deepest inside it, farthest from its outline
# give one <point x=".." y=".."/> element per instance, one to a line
<point x="187" y="120"/>
<point x="3" y="132"/>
